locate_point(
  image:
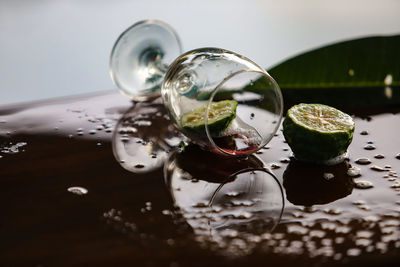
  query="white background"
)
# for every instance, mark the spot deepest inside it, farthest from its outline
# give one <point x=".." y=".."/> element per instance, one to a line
<point x="58" y="48"/>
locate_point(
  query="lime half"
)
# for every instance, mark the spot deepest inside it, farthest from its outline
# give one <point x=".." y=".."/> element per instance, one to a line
<point x="317" y="132"/>
<point x="220" y="115"/>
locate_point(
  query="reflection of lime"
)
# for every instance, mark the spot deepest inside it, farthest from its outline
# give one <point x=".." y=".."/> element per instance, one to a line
<point x="317" y="132"/>
<point x="221" y="113"/>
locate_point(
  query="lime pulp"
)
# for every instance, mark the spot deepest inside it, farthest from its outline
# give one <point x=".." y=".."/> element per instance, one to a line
<point x="220" y="115"/>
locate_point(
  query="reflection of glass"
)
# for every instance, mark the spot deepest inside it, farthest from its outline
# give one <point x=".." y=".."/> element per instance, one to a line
<point x="194" y="82"/>
<point x="309" y="184"/>
<point x="216" y="194"/>
<point x="143" y="137"/>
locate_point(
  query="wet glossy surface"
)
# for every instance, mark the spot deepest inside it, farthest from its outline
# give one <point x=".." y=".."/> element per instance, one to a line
<point x="75" y="190"/>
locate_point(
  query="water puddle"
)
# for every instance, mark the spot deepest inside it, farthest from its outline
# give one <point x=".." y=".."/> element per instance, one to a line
<point x="143" y="186"/>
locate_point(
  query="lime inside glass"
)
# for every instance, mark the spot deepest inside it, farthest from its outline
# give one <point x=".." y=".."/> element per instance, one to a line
<point x="256" y="117"/>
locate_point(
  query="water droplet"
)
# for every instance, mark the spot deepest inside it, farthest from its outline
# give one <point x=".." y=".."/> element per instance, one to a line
<point x="363" y="184"/>
<point x="359" y="202"/>
<point x="284" y="160"/>
<point x="364" y="207"/>
<point x="342" y="230"/>
<point x="333" y="211"/>
<point x="328" y="176"/>
<point x="363" y="242"/>
<point x="377" y="168"/>
<point x="142" y="123"/>
<point x="124" y="138"/>
<point x="371" y="219"/>
<point x="139" y="166"/>
<point x="395" y="185"/>
<point x="201" y="205"/>
<point x="229" y="233"/>
<point x="278" y="236"/>
<point x="369" y="147"/>
<point x="364" y="133"/>
<point x="297" y="229"/>
<point x="354" y="171"/>
<point x="246" y="203"/>
<point x="379" y="156"/>
<point x="363" y="161"/>
<point x="317" y="234"/>
<point x="398" y="156"/>
<point x="243" y="215"/>
<point x="233" y="194"/>
<point x="166" y="212"/>
<point x="354" y="252"/>
<point x="275" y="166"/>
<point x="78" y="190"/>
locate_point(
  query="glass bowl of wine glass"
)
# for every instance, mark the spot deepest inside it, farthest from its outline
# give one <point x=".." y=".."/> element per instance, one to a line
<point x="220" y="100"/>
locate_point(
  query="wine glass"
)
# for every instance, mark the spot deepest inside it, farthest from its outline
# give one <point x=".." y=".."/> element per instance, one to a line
<point x="221" y="100"/>
<point x="141" y="56"/>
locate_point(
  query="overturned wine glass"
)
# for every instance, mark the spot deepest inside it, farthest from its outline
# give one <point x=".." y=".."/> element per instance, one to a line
<point x="220" y="100"/>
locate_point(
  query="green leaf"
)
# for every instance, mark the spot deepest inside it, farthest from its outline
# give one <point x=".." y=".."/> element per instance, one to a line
<point x="362" y="62"/>
<point x="360" y="72"/>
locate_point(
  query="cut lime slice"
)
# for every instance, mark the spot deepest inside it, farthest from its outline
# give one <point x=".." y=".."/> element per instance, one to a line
<point x="221" y="113"/>
<point x="317" y="132"/>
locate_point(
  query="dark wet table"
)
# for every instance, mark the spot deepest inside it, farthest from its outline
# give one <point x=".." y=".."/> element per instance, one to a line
<point x="99" y="181"/>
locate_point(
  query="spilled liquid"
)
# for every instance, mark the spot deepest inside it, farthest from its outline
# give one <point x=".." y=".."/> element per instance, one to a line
<point x="239" y="137"/>
<point x="163" y="206"/>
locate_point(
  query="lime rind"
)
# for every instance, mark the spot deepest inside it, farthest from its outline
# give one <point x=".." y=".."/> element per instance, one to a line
<point x="220" y="115"/>
<point x="317" y="133"/>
